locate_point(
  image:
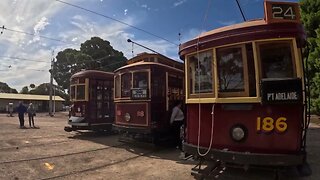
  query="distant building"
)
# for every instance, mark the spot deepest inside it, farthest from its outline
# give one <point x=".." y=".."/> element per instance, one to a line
<point x="40" y="102"/>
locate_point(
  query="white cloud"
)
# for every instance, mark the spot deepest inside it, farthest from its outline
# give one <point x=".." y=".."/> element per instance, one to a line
<point x="41" y="25"/>
<point x="37" y="17"/>
<point x="145" y="6"/>
<point x="178" y="3"/>
<point x="32" y="18"/>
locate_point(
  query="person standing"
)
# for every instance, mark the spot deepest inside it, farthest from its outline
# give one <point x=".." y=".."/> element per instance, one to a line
<point x="11" y="109"/>
<point x="31" y="112"/>
<point x="176" y="121"/>
<point x="21" y="109"/>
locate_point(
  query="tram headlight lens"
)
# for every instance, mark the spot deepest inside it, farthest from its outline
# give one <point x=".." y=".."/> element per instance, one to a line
<point x="127" y="117"/>
<point x="238" y="133"/>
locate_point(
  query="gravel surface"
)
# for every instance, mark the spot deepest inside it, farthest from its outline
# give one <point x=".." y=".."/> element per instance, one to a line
<point x="51" y="153"/>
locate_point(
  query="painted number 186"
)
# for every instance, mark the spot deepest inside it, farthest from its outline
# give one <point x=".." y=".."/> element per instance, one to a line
<point x="268" y="124"/>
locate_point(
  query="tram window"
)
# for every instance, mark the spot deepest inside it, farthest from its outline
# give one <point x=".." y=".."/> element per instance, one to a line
<point x="158" y="89"/>
<point x="175" y="85"/>
<point x="276" y="59"/>
<point x="231" y="63"/>
<point x="126" y="84"/>
<point x="117" y="86"/>
<point x="72" y="92"/>
<point x="140" y="80"/>
<point x="200" y="78"/>
<point x="80" y="92"/>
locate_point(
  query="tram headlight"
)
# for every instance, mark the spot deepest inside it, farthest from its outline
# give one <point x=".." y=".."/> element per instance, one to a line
<point x="127" y="117"/>
<point x="238" y="133"/>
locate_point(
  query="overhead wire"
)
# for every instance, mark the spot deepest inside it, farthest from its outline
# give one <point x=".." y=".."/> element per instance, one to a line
<point x="33" y="34"/>
<point x="114" y="19"/>
<point x="24" y="59"/>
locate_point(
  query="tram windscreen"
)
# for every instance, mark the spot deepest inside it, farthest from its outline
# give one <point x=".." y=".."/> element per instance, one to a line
<point x="80" y="92"/>
<point x="230" y="69"/>
<point x="140" y="80"/>
<point x="126" y="80"/>
<point x="276" y="60"/>
<point x="200" y="73"/>
<point x="72" y="92"/>
<point x="117" y="86"/>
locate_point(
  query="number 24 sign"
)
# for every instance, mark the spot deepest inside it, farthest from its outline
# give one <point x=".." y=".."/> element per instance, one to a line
<point x="282" y="11"/>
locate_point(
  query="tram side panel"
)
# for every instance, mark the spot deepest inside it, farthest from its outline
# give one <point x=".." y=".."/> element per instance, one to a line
<point x="135" y="114"/>
<point x="268" y="129"/>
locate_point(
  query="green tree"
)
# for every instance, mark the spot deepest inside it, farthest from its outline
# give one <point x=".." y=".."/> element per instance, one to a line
<point x="4" y="88"/>
<point x="95" y="53"/>
<point x="32" y="86"/>
<point x="24" y="90"/>
<point x="310" y="15"/>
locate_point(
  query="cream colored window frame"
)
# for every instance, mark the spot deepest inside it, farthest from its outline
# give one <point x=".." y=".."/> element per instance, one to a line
<point x="86" y="90"/>
<point x="187" y="77"/>
<point x="244" y="93"/>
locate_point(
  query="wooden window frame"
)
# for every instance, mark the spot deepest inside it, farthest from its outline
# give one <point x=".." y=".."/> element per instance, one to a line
<point x="293" y="54"/>
<point x="188" y="75"/>
<point x="244" y="93"/>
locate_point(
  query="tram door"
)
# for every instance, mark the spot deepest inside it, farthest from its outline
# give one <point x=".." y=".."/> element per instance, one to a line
<point x="175" y="90"/>
<point x="101" y="101"/>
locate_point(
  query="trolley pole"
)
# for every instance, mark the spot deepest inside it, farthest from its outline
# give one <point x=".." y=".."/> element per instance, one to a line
<point x="51" y="86"/>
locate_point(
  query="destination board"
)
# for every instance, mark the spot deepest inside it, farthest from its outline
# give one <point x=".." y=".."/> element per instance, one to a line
<point x="283" y="91"/>
<point x="138" y="93"/>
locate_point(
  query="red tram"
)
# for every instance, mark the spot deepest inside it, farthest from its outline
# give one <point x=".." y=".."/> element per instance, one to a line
<point x="145" y="90"/>
<point x="245" y="91"/>
<point x="91" y="94"/>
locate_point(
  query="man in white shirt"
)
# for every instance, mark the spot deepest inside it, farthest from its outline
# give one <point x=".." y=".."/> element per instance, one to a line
<point x="176" y="121"/>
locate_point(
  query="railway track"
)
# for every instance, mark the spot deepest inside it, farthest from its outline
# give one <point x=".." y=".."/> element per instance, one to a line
<point x="100" y="166"/>
<point x="34" y="145"/>
<point x="89" y="136"/>
<point x="61" y="155"/>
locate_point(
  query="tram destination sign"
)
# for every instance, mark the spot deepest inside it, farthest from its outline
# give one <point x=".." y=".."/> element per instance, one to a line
<point x="283" y="91"/>
<point x="281" y="12"/>
<point x="138" y="93"/>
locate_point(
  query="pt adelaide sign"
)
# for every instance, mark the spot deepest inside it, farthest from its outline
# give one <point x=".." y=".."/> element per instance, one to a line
<point x="278" y="91"/>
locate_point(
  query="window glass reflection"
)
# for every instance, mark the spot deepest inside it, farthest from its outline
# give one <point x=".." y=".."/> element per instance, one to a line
<point x="230" y="69"/>
<point x="200" y="73"/>
<point x="276" y="60"/>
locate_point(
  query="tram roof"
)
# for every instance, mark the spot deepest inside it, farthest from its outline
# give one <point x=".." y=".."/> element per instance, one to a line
<point x="141" y="63"/>
<point x="243" y="32"/>
<point x="157" y="58"/>
<point x="93" y="74"/>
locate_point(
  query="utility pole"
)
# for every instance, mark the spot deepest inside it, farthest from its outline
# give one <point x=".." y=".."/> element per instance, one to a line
<point x="51" y="86"/>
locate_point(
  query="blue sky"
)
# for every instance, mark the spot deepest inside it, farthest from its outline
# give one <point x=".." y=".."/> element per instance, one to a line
<point x="50" y="18"/>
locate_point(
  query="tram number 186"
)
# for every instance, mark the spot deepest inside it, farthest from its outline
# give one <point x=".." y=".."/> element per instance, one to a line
<point x="268" y="124"/>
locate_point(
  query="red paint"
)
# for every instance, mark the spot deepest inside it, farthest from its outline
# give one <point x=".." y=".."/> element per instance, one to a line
<point x="271" y="142"/>
<point x="134" y="109"/>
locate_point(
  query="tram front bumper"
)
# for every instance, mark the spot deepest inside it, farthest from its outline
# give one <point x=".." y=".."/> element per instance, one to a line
<point x="77" y="121"/>
<point x="247" y="158"/>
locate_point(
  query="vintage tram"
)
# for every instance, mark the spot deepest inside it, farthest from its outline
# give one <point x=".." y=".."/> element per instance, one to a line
<point x="245" y="91"/>
<point x="145" y="91"/>
<point x="91" y="94"/>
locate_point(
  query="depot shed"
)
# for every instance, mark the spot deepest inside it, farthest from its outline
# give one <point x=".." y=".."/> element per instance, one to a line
<point x="40" y="102"/>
